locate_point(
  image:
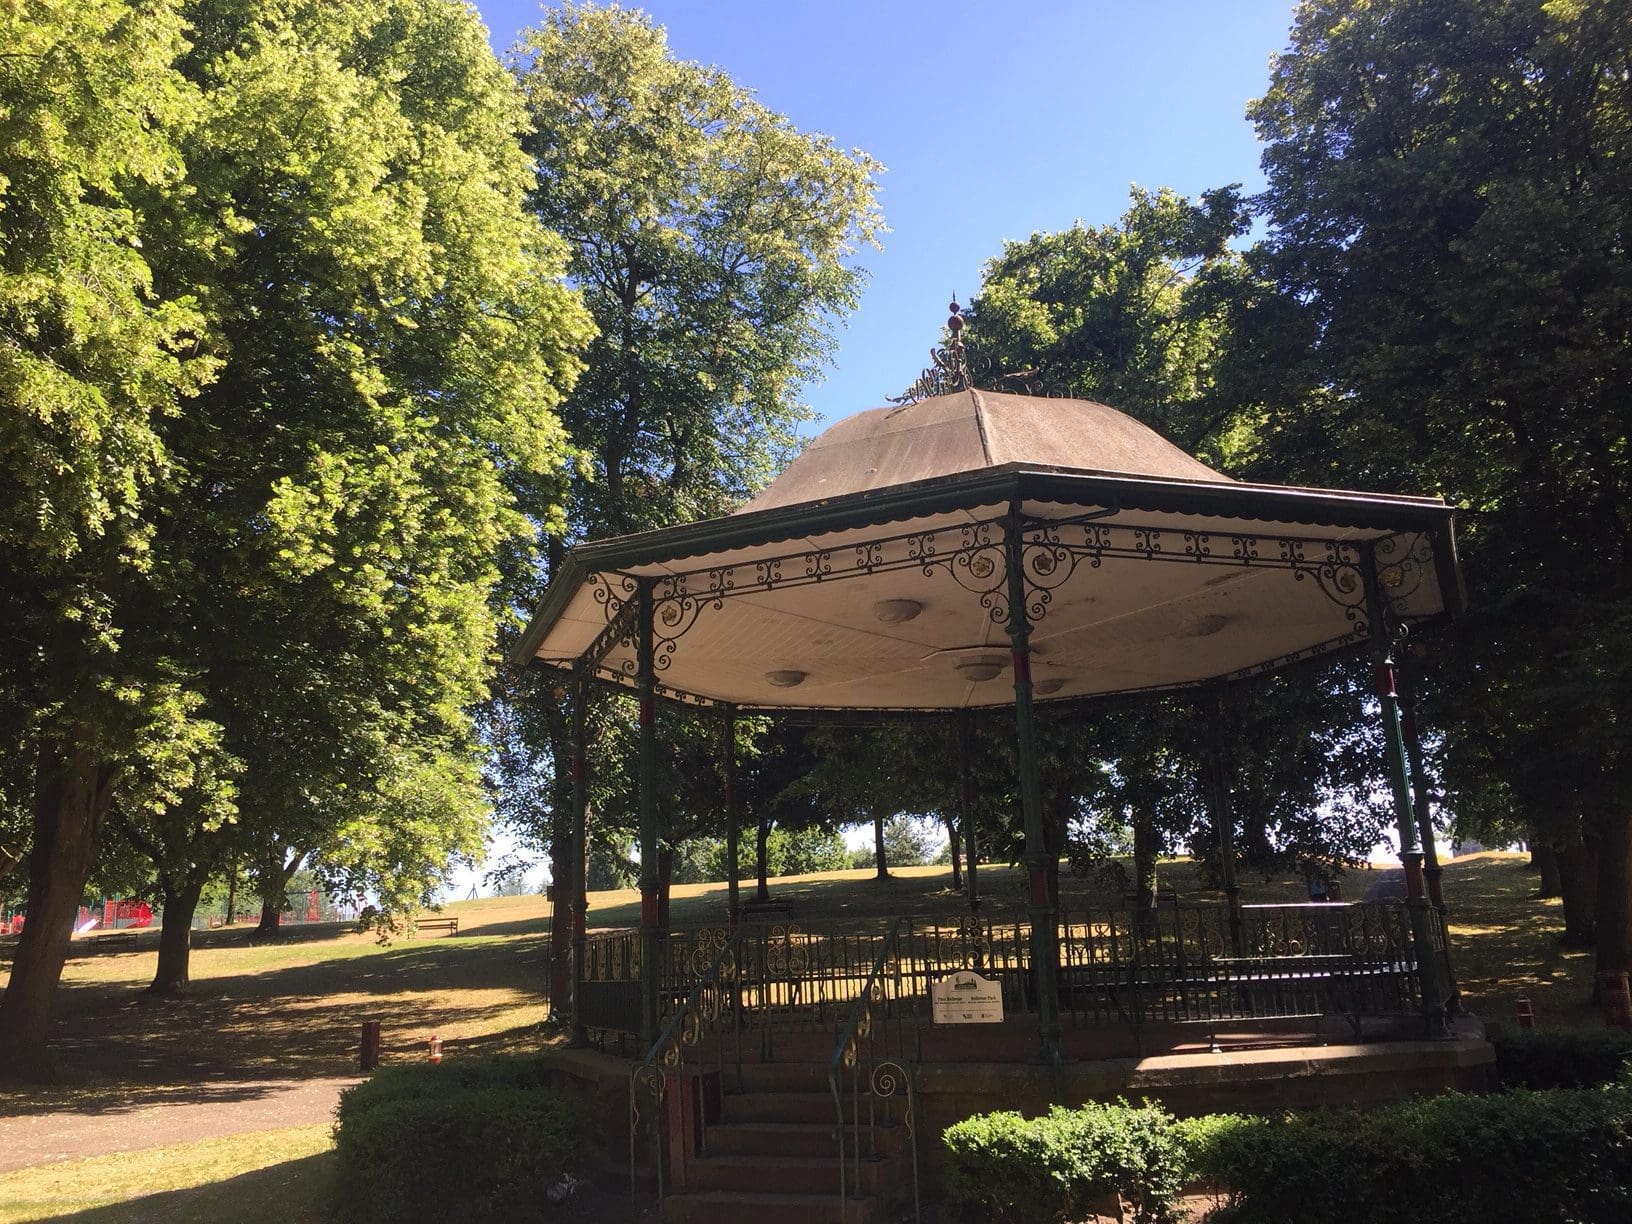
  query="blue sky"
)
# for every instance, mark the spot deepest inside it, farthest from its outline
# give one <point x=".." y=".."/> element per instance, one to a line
<point x="993" y="122"/>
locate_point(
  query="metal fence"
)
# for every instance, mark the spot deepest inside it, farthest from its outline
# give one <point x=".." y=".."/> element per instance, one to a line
<point x="1173" y="963"/>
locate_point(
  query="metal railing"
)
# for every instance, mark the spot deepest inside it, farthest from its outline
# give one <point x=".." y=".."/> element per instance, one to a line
<point x="1174" y="963"/>
<point x="680" y="1077"/>
<point x="872" y="1046"/>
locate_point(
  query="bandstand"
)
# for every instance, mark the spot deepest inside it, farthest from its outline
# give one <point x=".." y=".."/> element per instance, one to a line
<point x="981" y="551"/>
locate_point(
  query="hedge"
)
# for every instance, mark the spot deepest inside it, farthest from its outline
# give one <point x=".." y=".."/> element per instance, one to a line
<point x="1567" y="1058"/>
<point x="1004" y="1167"/>
<point x="1563" y="1156"/>
<point x="474" y="1139"/>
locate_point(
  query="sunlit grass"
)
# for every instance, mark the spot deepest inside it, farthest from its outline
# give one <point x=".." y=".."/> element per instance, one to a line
<point x="267" y="1177"/>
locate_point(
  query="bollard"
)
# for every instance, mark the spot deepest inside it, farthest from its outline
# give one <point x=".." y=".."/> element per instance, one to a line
<point x="1526" y="1017"/>
<point x="368" y="1054"/>
<point x="436" y="1049"/>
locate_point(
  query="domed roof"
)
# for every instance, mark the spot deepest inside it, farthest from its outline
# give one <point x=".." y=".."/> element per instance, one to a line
<point x="968" y="431"/>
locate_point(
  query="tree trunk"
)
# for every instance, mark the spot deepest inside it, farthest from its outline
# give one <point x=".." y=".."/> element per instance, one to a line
<point x="1144" y="865"/>
<point x="878" y="849"/>
<point x="274" y="883"/>
<point x="957" y="859"/>
<point x="70" y="805"/>
<point x="232" y="893"/>
<point x="176" y="936"/>
<point x="761" y="837"/>
<point x="665" y="878"/>
<point x="1614" y="915"/>
<point x="1578" y="878"/>
<point x="1545" y="860"/>
<point x="561" y="919"/>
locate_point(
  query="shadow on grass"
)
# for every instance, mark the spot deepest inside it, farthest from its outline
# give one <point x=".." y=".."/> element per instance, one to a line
<point x="293" y="1192"/>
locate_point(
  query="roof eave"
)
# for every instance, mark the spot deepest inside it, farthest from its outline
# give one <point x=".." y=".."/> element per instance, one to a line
<point x="982" y="487"/>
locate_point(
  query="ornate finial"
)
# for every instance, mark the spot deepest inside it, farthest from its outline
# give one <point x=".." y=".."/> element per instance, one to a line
<point x="948" y="370"/>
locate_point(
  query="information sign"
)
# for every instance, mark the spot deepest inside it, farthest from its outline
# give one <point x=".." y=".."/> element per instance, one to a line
<point x="966" y="998"/>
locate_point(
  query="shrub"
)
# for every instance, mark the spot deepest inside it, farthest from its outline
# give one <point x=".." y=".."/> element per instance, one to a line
<point x="1004" y="1167"/>
<point x="1560" y="1156"/>
<point x="472" y="1139"/>
<point x="1580" y="1058"/>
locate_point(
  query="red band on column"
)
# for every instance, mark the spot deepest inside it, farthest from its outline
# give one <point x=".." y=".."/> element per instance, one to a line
<point x="648" y="909"/>
<point x="1385" y="681"/>
<point x="645" y="711"/>
<point x="1022" y="666"/>
<point x="1413" y="879"/>
<point x="578" y="924"/>
<point x="1039" y="886"/>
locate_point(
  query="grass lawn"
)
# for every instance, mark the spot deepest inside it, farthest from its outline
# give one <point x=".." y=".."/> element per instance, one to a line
<point x="270" y="1177"/>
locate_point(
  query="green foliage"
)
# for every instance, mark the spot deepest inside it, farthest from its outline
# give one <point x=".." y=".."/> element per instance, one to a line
<point x="472" y="1139"/>
<point x="714" y="242"/>
<point x="1444" y="305"/>
<point x="1005" y="1167"/>
<point x="909" y="841"/>
<point x="1132" y="314"/>
<point x="393" y="340"/>
<point x="1562" y="1058"/>
<point x="1556" y="1156"/>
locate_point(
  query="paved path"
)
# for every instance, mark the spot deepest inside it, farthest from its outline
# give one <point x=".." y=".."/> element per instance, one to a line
<point x="214" y="1109"/>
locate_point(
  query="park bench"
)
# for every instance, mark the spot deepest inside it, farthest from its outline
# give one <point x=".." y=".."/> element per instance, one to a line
<point x="765" y="911"/>
<point x="116" y="939"/>
<point x="450" y="925"/>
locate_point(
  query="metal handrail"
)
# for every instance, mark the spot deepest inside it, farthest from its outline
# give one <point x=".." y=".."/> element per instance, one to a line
<point x="886" y="1077"/>
<point x="686" y="1027"/>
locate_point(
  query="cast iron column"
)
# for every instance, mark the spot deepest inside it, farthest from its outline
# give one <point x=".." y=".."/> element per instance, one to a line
<point x="1424" y="927"/>
<point x="733" y="817"/>
<point x="576" y="900"/>
<point x="966" y="809"/>
<point x="645" y="686"/>
<point x="1421" y="803"/>
<point x="1044" y="935"/>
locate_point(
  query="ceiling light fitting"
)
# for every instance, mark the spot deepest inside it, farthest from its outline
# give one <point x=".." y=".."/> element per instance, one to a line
<point x="896" y="611"/>
<point x="786" y="678"/>
<point x="979" y="668"/>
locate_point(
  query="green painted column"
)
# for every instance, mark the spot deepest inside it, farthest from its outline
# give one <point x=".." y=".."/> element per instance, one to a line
<point x="1422" y="805"/>
<point x="645" y="687"/>
<point x="1424" y="923"/>
<point x="577" y="899"/>
<point x="1045" y="945"/>
<point x="733" y="815"/>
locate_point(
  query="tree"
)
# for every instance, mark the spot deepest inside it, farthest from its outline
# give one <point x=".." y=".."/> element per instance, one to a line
<point x="715" y="246"/>
<point x="91" y="362"/>
<point x="1133" y="314"/>
<point x="907" y="841"/>
<point x="1450" y="193"/>
<point x="315" y="589"/>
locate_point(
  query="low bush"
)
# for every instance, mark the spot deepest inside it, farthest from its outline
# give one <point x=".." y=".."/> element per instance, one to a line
<point x="1578" y="1058"/>
<point x="472" y="1139"/>
<point x="1005" y="1167"/>
<point x="1562" y="1156"/>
